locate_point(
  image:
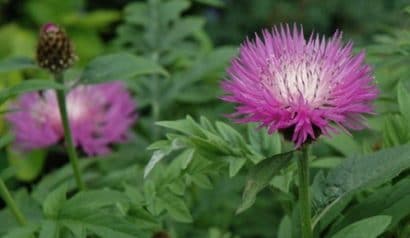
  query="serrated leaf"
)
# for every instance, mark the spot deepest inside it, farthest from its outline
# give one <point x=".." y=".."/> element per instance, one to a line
<point x="119" y="66"/>
<point x="17" y="64"/>
<point x="367" y="228"/>
<point x="28" y="86"/>
<point x="260" y="176"/>
<point x="54" y="201"/>
<point x="355" y="174"/>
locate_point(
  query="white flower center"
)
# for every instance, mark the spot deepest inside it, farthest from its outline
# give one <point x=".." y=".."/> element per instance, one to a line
<point x="289" y="79"/>
<point x="76" y="108"/>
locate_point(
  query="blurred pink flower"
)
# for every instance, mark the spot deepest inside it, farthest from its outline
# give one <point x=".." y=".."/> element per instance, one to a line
<point x="303" y="88"/>
<point x="99" y="116"/>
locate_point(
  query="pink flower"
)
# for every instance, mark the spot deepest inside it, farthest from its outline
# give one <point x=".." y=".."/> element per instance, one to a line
<point x="303" y="88"/>
<point x="99" y="116"/>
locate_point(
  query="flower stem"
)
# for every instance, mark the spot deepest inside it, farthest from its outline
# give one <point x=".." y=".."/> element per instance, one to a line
<point x="72" y="154"/>
<point x="304" y="197"/>
<point x="11" y="204"/>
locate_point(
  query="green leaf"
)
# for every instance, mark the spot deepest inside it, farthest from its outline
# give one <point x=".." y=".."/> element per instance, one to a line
<point x="326" y="163"/>
<point x="54" y="201"/>
<point x="285" y="228"/>
<point x="27" y="165"/>
<point x="407" y="9"/>
<point x="391" y="200"/>
<point x="184" y="125"/>
<point x="103" y="224"/>
<point x="262" y="142"/>
<point x="6" y="139"/>
<point x="201" y="181"/>
<point x="403" y="97"/>
<point x="181" y="29"/>
<point x="176" y="207"/>
<point x="16" y="64"/>
<point x="395" y="130"/>
<point x="22" y="232"/>
<point x="28" y="86"/>
<point x="91" y="200"/>
<point x="53" y="180"/>
<point x="367" y="228"/>
<point x="260" y="176"/>
<point x="229" y="134"/>
<point x="136" y="13"/>
<point x="343" y="143"/>
<point x="119" y="66"/>
<point x="171" y="10"/>
<point x="355" y="174"/>
<point x="158" y="155"/>
<point x="77" y="228"/>
<point x="235" y="165"/>
<point x="49" y="229"/>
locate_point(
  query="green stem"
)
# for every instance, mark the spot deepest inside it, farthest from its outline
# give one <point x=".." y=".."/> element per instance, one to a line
<point x="72" y="154"/>
<point x="11" y="204"/>
<point x="304" y="197"/>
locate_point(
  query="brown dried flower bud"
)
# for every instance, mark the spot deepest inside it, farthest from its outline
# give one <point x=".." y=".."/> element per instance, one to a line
<point x="55" y="51"/>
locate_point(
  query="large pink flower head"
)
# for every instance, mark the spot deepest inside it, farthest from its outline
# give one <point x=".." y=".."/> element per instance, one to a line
<point x="99" y="116"/>
<point x="303" y="88"/>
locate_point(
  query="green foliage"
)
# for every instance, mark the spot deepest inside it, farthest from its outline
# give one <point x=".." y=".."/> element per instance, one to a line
<point x="367" y="228"/>
<point x="187" y="177"/>
<point x="16" y="64"/>
<point x="331" y="193"/>
<point x="118" y="66"/>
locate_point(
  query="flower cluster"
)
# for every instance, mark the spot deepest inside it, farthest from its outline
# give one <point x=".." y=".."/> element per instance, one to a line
<point x="99" y="116"/>
<point x="303" y="88"/>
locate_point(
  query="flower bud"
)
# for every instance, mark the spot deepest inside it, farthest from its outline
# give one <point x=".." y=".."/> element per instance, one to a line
<point x="55" y="51"/>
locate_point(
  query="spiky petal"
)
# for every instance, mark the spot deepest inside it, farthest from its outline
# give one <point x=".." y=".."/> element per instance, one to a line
<point x="301" y="87"/>
<point x="99" y="115"/>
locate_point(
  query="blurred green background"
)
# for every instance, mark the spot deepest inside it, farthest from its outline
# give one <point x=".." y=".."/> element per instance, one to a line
<point x="382" y="27"/>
